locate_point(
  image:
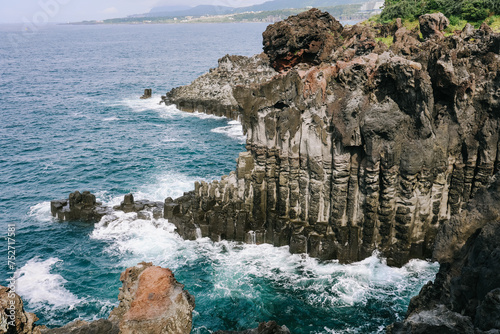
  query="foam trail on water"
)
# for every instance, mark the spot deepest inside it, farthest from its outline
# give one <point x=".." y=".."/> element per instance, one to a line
<point x="171" y="111"/>
<point x="41" y="212"/>
<point x="233" y="130"/>
<point x="139" y="105"/>
<point x="36" y="284"/>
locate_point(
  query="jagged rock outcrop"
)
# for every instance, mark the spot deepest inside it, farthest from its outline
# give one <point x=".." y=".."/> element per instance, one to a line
<point x="465" y="297"/>
<point x="13" y="318"/>
<point x="374" y="149"/>
<point x="83" y="206"/>
<point x="213" y="92"/>
<point x="432" y="25"/>
<point x="101" y="326"/>
<point x="309" y="37"/>
<point x="152" y="301"/>
<point x="270" y="327"/>
<point x="79" y="206"/>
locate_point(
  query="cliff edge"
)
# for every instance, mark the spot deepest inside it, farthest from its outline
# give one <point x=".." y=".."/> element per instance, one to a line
<point x="352" y="145"/>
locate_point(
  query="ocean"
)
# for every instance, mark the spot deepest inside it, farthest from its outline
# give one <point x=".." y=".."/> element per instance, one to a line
<point x="71" y="119"/>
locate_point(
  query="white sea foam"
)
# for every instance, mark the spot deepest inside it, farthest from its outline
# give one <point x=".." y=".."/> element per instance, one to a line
<point x="233" y="130"/>
<point x="40" y="287"/>
<point x="110" y="119"/>
<point x="171" y="111"/>
<point x="41" y="212"/>
<point x="140" y="105"/>
<point x="237" y="266"/>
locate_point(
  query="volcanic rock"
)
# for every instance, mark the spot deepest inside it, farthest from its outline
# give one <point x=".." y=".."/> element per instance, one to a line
<point x="79" y="206"/>
<point x="309" y="37"/>
<point x="101" y="326"/>
<point x="374" y="148"/>
<point x="432" y="25"/>
<point x="13" y="317"/>
<point x="465" y="297"/>
<point x="152" y="301"/>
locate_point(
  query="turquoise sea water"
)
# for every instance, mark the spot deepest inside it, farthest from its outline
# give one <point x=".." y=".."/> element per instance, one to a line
<point x="71" y="119"/>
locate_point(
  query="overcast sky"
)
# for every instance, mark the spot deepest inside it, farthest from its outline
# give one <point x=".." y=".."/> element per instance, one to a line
<point x="13" y="11"/>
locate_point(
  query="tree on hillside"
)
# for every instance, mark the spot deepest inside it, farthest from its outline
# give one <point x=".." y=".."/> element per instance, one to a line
<point x="471" y="10"/>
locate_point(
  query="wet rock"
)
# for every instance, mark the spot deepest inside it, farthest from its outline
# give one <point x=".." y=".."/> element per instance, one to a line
<point x="432" y="25"/>
<point x="152" y="301"/>
<point x="465" y="297"/>
<point x="13" y="317"/>
<point x="270" y="327"/>
<point x="79" y="206"/>
<point x="309" y="37"/>
<point x="147" y="94"/>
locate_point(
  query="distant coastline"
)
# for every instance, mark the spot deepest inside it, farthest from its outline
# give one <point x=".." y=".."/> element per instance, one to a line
<point x="351" y="12"/>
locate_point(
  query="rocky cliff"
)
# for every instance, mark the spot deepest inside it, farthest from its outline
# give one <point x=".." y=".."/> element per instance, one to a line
<point x="352" y="145"/>
<point x="465" y="296"/>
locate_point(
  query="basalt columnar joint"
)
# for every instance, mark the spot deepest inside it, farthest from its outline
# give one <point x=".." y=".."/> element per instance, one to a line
<point x="372" y="149"/>
<point x="368" y="148"/>
<point x="465" y="296"/>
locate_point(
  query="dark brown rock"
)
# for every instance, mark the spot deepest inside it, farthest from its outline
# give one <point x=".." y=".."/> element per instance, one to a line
<point x="465" y="297"/>
<point x="309" y="37"/>
<point x="432" y="25"/>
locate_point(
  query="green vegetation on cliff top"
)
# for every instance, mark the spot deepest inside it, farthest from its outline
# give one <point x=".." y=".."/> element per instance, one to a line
<point x="474" y="11"/>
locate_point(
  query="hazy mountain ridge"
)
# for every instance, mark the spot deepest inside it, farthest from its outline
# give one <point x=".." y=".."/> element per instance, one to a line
<point x="266" y="6"/>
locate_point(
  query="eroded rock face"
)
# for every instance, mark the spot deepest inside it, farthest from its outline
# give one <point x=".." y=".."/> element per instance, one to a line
<point x="309" y="37"/>
<point x="13" y="318"/>
<point x="432" y="25"/>
<point x="465" y="297"/>
<point x="213" y="92"/>
<point x="101" y="326"/>
<point x="152" y="301"/>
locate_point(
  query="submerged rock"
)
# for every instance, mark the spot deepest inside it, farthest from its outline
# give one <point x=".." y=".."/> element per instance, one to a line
<point x="353" y="148"/>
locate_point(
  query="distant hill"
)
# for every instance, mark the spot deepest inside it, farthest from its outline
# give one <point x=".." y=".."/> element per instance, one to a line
<point x="169" y="11"/>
